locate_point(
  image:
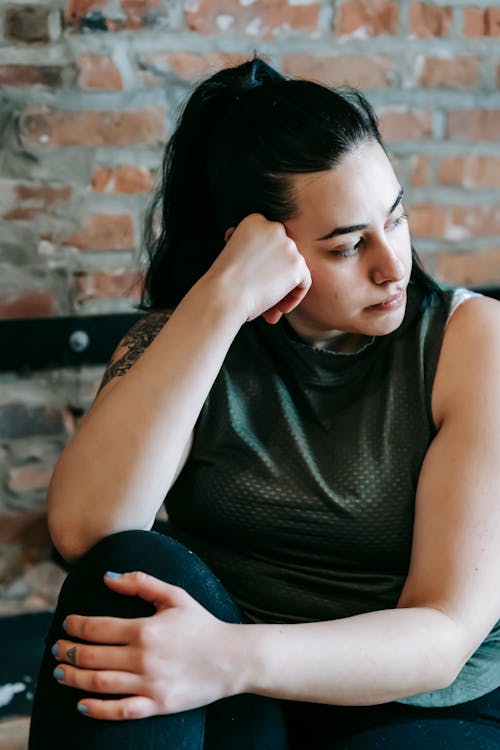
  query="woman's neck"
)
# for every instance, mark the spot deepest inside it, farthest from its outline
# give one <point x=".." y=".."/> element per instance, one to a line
<point x="337" y="341"/>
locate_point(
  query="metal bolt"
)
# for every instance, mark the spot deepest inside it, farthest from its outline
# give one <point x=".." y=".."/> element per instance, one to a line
<point x="79" y="341"/>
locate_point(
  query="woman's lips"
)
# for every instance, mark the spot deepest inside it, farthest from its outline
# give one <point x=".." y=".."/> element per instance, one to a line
<point x="391" y="303"/>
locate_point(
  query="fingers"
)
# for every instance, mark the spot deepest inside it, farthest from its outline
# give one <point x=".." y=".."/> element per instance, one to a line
<point x="109" y="630"/>
<point x="272" y="316"/>
<point x="149" y="588"/>
<point x="96" y="657"/>
<point x="116" y="630"/>
<point x="136" y="707"/>
<point x="288" y="303"/>
<point x="103" y="682"/>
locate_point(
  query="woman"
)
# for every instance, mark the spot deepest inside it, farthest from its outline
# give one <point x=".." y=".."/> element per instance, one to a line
<point x="324" y="423"/>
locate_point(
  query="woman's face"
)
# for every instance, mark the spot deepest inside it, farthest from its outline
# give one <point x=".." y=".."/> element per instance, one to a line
<point x="367" y="258"/>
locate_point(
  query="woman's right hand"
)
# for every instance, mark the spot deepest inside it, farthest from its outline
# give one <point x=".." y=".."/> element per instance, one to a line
<point x="263" y="268"/>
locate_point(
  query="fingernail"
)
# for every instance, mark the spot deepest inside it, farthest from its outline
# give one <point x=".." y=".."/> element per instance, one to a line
<point x="82" y="708"/>
<point x="111" y="574"/>
<point x="58" y="673"/>
<point x="65" y="624"/>
<point x="55" y="650"/>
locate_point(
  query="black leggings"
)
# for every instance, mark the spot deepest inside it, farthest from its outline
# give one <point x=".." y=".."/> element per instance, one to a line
<point x="242" y="722"/>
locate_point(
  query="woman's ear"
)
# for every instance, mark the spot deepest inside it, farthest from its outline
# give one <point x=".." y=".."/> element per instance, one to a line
<point x="228" y="233"/>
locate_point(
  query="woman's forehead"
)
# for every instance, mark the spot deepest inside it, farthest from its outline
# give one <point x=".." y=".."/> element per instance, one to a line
<point x="361" y="184"/>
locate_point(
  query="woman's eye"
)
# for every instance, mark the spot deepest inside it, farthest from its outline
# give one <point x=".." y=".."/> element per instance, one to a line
<point x="398" y="220"/>
<point x="354" y="249"/>
<point x="348" y="252"/>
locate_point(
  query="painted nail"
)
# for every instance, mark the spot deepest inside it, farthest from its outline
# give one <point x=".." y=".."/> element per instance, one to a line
<point x="58" y="673"/>
<point x="83" y="709"/>
<point x="111" y="574"/>
<point x="55" y="650"/>
<point x="65" y="624"/>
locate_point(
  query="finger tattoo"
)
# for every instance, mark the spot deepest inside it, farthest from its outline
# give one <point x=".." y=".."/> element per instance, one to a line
<point x="71" y="654"/>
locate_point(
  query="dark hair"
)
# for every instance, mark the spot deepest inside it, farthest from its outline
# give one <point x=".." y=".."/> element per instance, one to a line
<point x="242" y="134"/>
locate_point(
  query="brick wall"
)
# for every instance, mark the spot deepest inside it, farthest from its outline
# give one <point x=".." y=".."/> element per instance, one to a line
<point x="88" y="94"/>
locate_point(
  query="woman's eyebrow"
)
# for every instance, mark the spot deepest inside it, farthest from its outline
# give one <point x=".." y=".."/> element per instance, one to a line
<point x="357" y="227"/>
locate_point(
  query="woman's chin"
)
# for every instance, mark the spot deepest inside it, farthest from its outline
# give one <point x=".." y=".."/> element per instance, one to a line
<point x="386" y="323"/>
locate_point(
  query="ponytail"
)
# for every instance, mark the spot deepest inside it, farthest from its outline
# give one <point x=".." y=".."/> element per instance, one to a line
<point x="189" y="236"/>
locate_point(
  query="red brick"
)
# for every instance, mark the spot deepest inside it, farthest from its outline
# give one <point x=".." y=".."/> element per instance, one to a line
<point x="474" y="124"/>
<point x="148" y="77"/>
<point x="191" y="66"/>
<point x="454" y="73"/>
<point x="96" y="72"/>
<point x="454" y="222"/>
<point x="122" y="179"/>
<point x="430" y="20"/>
<point x="21" y="527"/>
<point x="474" y="221"/>
<point x="261" y="19"/>
<point x="401" y="124"/>
<point x="427" y="220"/>
<point x="77" y="9"/>
<point x="133" y="14"/>
<point x="420" y="170"/>
<point x="30" y="200"/>
<point x="29" y="75"/>
<point x="469" y="269"/>
<point x="451" y="170"/>
<point x="365" y="72"/>
<point x="478" y="171"/>
<point x="28" y="478"/>
<point x="37" y="303"/>
<point x="367" y="18"/>
<point x="493" y="22"/>
<point x="480" y="22"/>
<point x="103" y="232"/>
<point x="28" y="23"/>
<point x="46" y="127"/>
<point x="113" y="283"/>
<point x="474" y="22"/>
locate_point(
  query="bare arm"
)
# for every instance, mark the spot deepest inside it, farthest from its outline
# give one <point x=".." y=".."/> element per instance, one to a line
<point x="133" y="345"/>
<point x="115" y="472"/>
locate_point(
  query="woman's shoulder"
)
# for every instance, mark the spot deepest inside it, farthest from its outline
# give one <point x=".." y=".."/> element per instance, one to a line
<point x="438" y="309"/>
<point x="470" y="351"/>
<point x="473" y="315"/>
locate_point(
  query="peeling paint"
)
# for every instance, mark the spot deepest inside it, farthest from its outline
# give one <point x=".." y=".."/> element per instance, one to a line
<point x="254" y="27"/>
<point x="8" y="691"/>
<point x="224" y="22"/>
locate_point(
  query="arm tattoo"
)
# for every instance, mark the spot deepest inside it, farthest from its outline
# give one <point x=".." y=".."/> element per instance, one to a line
<point x="136" y="341"/>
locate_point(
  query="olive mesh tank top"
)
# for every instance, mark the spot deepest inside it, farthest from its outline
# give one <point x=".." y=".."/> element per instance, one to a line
<point x="299" y="490"/>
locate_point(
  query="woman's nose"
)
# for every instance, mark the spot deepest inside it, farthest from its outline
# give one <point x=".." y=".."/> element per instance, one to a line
<point x="386" y="266"/>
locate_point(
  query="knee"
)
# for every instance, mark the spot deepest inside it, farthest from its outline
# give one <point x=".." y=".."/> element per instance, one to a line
<point x="122" y="552"/>
<point x="136" y="549"/>
<point x="160" y="556"/>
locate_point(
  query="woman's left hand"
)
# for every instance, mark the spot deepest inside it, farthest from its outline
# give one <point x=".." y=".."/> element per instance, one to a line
<point x="180" y="658"/>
